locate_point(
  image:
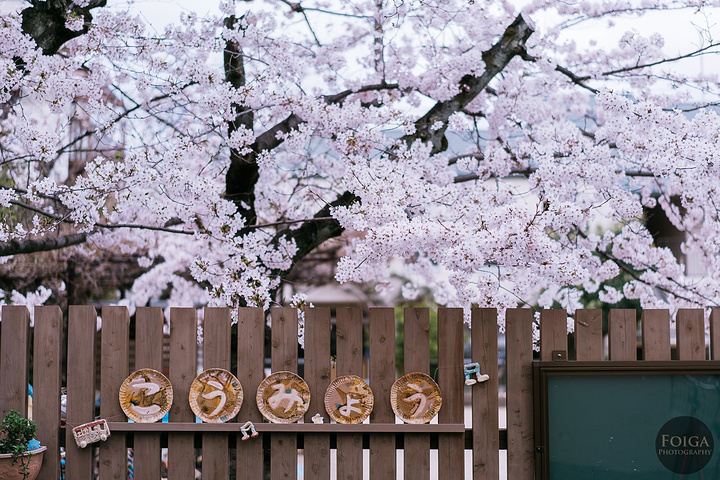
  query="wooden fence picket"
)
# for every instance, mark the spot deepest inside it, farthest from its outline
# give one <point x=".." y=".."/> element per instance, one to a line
<point x="148" y="354"/>
<point x="283" y="446"/>
<point x="521" y="449"/>
<point x="182" y="370"/>
<point x="553" y="335"/>
<point x="656" y="335"/>
<point x="382" y="377"/>
<point x="416" y="358"/>
<point x="349" y="341"/>
<point x="690" y="334"/>
<point x="216" y="354"/>
<point x="114" y="357"/>
<point x="82" y="321"/>
<point x="14" y="356"/>
<point x="622" y="335"/>
<point x="588" y="335"/>
<point x="451" y="380"/>
<point x="251" y="360"/>
<point x="47" y="374"/>
<point x="486" y="441"/>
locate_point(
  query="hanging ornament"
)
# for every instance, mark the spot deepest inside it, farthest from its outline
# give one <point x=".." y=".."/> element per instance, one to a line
<point x="92" y="432"/>
<point x="248" y="427"/>
<point x="471" y="369"/>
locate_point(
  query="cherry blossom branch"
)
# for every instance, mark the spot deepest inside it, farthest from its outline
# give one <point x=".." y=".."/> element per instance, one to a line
<point x="432" y="126"/>
<point x="296" y="7"/>
<point x="698" y="52"/>
<point x="45" y="22"/>
<point x="529" y="171"/>
<point x="45" y="244"/>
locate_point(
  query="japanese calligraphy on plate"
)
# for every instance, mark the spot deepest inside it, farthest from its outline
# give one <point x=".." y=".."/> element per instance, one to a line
<point x="415" y="398"/>
<point x="283" y="397"/>
<point x="349" y="399"/>
<point x="146" y="396"/>
<point x="216" y="396"/>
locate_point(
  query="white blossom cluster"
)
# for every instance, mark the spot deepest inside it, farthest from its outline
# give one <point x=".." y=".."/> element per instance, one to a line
<point x="540" y="195"/>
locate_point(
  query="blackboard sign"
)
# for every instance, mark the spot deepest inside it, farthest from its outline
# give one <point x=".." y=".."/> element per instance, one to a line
<point x="627" y="420"/>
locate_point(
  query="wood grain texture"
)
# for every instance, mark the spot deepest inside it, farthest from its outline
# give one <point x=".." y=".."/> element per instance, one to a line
<point x="382" y="377"/>
<point x="451" y="380"/>
<point x="520" y="455"/>
<point x="114" y="353"/>
<point x="251" y="359"/>
<point x="715" y="334"/>
<point x="349" y="362"/>
<point x="655" y="334"/>
<point x="148" y="354"/>
<point x="690" y="330"/>
<point x="317" y="376"/>
<point x="588" y="335"/>
<point x="82" y="321"/>
<point x="485" y="422"/>
<point x="622" y="333"/>
<point x="416" y="358"/>
<point x="283" y="447"/>
<point x="553" y="333"/>
<point x="14" y="359"/>
<point x="216" y="354"/>
<point x="46" y="386"/>
<point x="182" y="370"/>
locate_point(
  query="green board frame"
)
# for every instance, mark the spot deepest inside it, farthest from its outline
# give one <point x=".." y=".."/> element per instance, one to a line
<point x="627" y="420"/>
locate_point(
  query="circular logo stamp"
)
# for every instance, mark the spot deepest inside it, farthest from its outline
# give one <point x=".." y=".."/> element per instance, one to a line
<point x="684" y="445"/>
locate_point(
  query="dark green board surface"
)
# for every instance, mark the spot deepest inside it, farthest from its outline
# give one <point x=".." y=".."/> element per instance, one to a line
<point x="606" y="426"/>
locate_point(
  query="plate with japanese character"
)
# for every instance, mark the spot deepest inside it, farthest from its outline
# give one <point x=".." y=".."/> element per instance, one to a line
<point x="283" y="397"/>
<point x="216" y="396"/>
<point x="146" y="396"/>
<point x="415" y="398"/>
<point x="349" y="399"/>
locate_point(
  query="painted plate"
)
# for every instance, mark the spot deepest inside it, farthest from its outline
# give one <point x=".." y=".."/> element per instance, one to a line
<point x="146" y="396"/>
<point x="415" y="398"/>
<point x="283" y="397"/>
<point x="349" y="399"/>
<point x="216" y="396"/>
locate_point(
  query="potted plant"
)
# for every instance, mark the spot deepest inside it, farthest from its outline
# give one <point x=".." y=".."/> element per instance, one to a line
<point x="20" y="454"/>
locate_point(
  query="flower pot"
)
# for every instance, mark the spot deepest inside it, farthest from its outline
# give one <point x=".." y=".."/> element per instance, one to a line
<point x="8" y="471"/>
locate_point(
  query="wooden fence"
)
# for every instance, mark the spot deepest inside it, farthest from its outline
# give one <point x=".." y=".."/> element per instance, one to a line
<point x="67" y="359"/>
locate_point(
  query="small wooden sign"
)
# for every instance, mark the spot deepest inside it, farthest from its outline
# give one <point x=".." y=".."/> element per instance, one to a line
<point x="92" y="432"/>
<point x="283" y="397"/>
<point x="415" y="398"/>
<point x="349" y="399"/>
<point x="216" y="396"/>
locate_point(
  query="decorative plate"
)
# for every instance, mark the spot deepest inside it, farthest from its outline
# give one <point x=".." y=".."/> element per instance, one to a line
<point x="146" y="396"/>
<point x="216" y="396"/>
<point x="349" y="399"/>
<point x="283" y="397"/>
<point x="415" y="398"/>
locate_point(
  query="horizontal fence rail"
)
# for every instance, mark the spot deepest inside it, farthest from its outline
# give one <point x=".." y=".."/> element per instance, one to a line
<point x="70" y="353"/>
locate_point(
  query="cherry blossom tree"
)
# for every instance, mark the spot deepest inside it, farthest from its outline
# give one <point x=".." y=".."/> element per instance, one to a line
<point x="493" y="153"/>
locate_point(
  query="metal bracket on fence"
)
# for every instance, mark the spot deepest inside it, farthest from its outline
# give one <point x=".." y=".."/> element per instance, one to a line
<point x="559" y="355"/>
